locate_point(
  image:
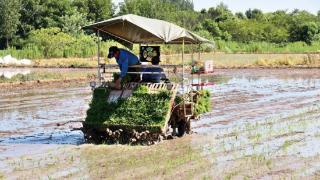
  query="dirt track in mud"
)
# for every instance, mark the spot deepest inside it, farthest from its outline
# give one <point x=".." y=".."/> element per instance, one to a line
<point x="264" y="123"/>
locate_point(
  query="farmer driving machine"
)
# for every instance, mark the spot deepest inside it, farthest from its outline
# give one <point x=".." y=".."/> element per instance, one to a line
<point x="148" y="107"/>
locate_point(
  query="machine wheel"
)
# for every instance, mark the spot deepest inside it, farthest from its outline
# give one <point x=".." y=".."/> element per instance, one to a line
<point x="188" y="127"/>
<point x="182" y="128"/>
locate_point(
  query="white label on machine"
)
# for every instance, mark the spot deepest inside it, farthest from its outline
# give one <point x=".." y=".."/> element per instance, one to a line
<point x="116" y="94"/>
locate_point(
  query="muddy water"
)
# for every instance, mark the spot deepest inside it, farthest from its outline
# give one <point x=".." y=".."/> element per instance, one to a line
<point x="268" y="113"/>
<point x="239" y="96"/>
<point x="37" y="116"/>
<point x="273" y="115"/>
<point x="252" y="95"/>
<point x="9" y="73"/>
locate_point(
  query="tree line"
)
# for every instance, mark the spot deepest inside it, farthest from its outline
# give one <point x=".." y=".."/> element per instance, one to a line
<point x="53" y="28"/>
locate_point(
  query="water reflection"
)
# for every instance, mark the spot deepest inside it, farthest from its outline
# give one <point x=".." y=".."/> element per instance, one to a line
<point x="261" y="113"/>
<point x="32" y="116"/>
<point x="10" y="72"/>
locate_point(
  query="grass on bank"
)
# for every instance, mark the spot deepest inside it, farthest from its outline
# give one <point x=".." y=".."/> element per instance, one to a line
<point x="265" y="47"/>
<point x="308" y="60"/>
<point x="221" y="60"/>
<point x="86" y="49"/>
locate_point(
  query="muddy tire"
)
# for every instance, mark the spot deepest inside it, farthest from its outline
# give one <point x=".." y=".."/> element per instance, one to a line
<point x="181" y="128"/>
<point x="188" y="127"/>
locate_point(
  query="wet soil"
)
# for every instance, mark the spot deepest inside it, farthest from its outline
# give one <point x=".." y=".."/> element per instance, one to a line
<point x="40" y="116"/>
<point x="270" y="116"/>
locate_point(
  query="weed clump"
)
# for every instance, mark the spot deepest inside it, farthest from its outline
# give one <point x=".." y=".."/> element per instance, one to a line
<point x="203" y="104"/>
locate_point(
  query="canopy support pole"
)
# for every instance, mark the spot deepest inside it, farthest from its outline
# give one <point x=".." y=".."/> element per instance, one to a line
<point x="199" y="55"/>
<point x="139" y="51"/>
<point x="192" y="64"/>
<point x="183" y="65"/>
<point x="99" y="73"/>
<point x="199" y="60"/>
<point x="183" y="90"/>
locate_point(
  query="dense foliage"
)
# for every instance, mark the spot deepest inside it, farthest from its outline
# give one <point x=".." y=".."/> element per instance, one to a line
<point x="141" y="109"/>
<point x="9" y="19"/>
<point x="52" y="28"/>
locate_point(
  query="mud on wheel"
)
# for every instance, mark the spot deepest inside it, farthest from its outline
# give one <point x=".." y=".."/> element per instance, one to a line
<point x="119" y="136"/>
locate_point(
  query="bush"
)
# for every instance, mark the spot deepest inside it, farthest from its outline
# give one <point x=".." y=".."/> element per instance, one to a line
<point x="52" y="42"/>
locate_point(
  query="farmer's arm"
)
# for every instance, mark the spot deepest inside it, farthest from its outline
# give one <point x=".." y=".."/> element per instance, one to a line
<point x="124" y="67"/>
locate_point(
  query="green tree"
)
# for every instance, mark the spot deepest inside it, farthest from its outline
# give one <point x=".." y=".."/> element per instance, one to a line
<point x="95" y="10"/>
<point x="187" y="19"/>
<point x="299" y="17"/>
<point x="100" y="10"/>
<point x="254" y="14"/>
<point x="179" y="12"/>
<point x="81" y="6"/>
<point x="240" y="15"/>
<point x="51" y="41"/>
<point x="72" y="23"/>
<point x="52" y="12"/>
<point x="274" y="34"/>
<point x="203" y="11"/>
<point x="303" y="26"/>
<point x="212" y="27"/>
<point x="305" y="32"/>
<point x="30" y="16"/>
<point x="220" y="13"/>
<point x="184" y="5"/>
<point x="9" y="19"/>
<point x="281" y="19"/>
<point x="204" y="33"/>
<point x="146" y="8"/>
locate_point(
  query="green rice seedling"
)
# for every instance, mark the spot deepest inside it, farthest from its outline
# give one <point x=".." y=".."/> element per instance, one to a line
<point x="142" y="109"/>
<point x="286" y="144"/>
<point x="203" y="103"/>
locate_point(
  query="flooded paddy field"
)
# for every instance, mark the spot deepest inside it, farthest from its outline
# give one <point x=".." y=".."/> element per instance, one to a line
<point x="263" y="124"/>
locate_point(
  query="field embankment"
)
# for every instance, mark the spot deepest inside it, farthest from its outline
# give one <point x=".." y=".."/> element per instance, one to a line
<point x="221" y="60"/>
<point x="244" y="60"/>
<point x="66" y="70"/>
<point x="26" y="78"/>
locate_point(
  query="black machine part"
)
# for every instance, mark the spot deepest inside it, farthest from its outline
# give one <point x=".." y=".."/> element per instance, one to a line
<point x="150" y="54"/>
